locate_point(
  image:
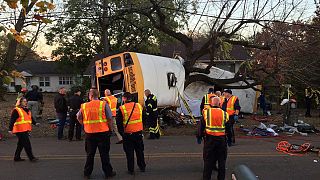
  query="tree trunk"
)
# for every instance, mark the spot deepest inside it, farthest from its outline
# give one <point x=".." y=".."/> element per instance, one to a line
<point x="12" y="48"/>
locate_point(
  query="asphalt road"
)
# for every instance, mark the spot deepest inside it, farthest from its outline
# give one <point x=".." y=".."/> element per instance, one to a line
<point x="171" y="157"/>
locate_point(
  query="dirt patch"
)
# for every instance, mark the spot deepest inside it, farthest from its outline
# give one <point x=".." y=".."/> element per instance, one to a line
<point x="48" y="112"/>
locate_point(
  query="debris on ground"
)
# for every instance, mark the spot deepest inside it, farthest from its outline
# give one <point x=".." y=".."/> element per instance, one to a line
<point x="260" y="130"/>
<point x="295" y="149"/>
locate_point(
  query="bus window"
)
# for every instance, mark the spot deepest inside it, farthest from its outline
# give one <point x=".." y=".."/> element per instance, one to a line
<point x="128" y="60"/>
<point x="116" y="64"/>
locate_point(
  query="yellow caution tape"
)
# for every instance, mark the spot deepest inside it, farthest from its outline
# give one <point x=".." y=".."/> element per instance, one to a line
<point x="188" y="108"/>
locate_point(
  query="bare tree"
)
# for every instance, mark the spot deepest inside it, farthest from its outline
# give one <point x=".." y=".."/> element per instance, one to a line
<point x="231" y="22"/>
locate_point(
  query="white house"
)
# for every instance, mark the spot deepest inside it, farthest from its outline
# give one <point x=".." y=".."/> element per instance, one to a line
<point x="48" y="75"/>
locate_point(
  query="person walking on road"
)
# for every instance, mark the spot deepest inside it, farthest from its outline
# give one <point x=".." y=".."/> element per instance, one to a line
<point x="60" y="104"/>
<point x="212" y="129"/>
<point x="75" y="102"/>
<point x="20" y="125"/>
<point x="112" y="102"/>
<point x="232" y="106"/>
<point x="151" y="105"/>
<point x="130" y="126"/>
<point x="96" y="118"/>
<point x="34" y="97"/>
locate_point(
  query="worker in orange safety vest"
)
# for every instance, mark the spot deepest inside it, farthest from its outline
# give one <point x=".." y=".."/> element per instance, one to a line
<point x="96" y="118"/>
<point x="205" y="100"/>
<point x="20" y="125"/>
<point x="231" y="105"/>
<point x="112" y="102"/>
<point x="212" y="129"/>
<point x="130" y="126"/>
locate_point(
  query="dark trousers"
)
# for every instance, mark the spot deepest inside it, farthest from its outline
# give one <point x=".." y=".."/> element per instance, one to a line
<point x="74" y="123"/>
<point x="308" y="106"/>
<point x="230" y="131"/>
<point x="62" y="121"/>
<point x="134" y="142"/>
<point x="102" y="142"/>
<point x="23" y="142"/>
<point x="152" y="121"/>
<point x="215" y="149"/>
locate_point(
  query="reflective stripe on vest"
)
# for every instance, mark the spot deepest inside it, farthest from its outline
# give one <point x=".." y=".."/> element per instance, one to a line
<point x="230" y="105"/>
<point x="23" y="123"/>
<point x="215" y="119"/>
<point x="94" y="116"/>
<point x="135" y="122"/>
<point x="112" y="102"/>
<point x="92" y="121"/>
<point x="207" y="98"/>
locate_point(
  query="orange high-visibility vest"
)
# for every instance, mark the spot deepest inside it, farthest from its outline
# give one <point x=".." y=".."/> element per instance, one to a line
<point x="23" y="123"/>
<point x="135" y="122"/>
<point x="222" y="98"/>
<point x="215" y="119"/>
<point x="94" y="116"/>
<point x="207" y="100"/>
<point x="230" y="105"/>
<point x="112" y="102"/>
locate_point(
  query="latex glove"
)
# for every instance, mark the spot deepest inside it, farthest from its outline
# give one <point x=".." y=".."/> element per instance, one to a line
<point x="236" y="118"/>
<point x="37" y="124"/>
<point x="199" y="140"/>
<point x="10" y="132"/>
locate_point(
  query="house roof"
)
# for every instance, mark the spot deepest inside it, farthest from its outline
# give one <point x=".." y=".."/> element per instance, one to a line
<point x="169" y="49"/>
<point x="43" y="67"/>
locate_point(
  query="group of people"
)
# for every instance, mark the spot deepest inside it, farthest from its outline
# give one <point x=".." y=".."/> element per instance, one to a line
<point x="98" y="118"/>
<point x="219" y="112"/>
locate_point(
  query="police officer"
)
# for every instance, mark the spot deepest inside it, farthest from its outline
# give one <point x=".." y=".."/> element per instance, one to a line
<point x="97" y="120"/>
<point x="112" y="102"/>
<point x="205" y="100"/>
<point x="212" y="128"/>
<point x="75" y="102"/>
<point x="129" y="122"/>
<point x="20" y="125"/>
<point x="152" y="114"/>
<point x="232" y="106"/>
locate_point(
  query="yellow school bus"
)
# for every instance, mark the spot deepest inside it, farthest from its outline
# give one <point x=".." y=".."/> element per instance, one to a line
<point x="134" y="72"/>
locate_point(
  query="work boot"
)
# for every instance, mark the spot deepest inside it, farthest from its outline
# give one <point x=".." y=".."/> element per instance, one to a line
<point x="34" y="159"/>
<point x="131" y="173"/>
<point x="18" y="159"/>
<point x="112" y="174"/>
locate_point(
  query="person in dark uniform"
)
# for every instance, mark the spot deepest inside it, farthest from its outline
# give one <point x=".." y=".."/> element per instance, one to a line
<point x="96" y="118"/>
<point x="60" y="104"/>
<point x="75" y="102"/>
<point x="231" y="105"/>
<point x="212" y="129"/>
<point x="152" y="114"/>
<point x="205" y="100"/>
<point x="20" y="125"/>
<point x="130" y="126"/>
<point x="308" y="99"/>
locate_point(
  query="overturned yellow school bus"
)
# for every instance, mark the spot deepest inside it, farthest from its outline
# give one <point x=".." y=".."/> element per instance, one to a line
<point x="134" y="72"/>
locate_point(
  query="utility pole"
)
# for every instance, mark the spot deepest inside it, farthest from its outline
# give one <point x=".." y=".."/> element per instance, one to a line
<point x="105" y="25"/>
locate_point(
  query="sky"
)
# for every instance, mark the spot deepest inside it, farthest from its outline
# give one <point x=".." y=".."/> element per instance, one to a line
<point x="200" y="23"/>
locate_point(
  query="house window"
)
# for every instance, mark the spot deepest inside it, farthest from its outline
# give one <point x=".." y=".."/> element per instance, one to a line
<point x="65" y="81"/>
<point x="44" y="81"/>
<point x="13" y="84"/>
